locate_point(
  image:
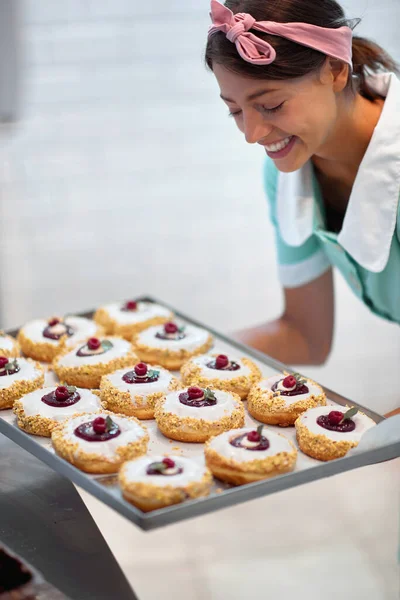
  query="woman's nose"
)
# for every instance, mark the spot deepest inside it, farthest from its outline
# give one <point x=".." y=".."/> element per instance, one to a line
<point x="255" y="128"/>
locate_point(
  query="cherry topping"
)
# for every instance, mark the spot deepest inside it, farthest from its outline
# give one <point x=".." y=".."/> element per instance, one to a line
<point x="93" y="343"/>
<point x="170" y="328"/>
<point x="99" y="425"/>
<point x="221" y="361"/>
<point x="141" y="369"/>
<point x="169" y="463"/>
<point x="335" y="416"/>
<point x="61" y="393"/>
<point x="289" y="381"/>
<point x="253" y="436"/>
<point x="53" y="322"/>
<point x="3" y="361"/>
<point x="195" y="393"/>
<point x="130" y="305"/>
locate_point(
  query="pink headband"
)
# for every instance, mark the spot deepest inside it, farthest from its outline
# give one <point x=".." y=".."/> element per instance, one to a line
<point x="332" y="42"/>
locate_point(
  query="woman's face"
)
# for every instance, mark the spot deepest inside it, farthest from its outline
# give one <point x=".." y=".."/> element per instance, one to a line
<point x="293" y="119"/>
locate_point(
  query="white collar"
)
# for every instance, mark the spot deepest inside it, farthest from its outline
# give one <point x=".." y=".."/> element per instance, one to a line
<point x="371" y="213"/>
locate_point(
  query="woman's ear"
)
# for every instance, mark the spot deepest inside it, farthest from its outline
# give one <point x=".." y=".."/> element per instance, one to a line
<point x="336" y="73"/>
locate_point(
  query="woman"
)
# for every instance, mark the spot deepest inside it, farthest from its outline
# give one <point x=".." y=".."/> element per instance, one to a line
<point x="297" y="82"/>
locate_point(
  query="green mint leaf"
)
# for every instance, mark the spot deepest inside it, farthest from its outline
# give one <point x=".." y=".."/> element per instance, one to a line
<point x="11" y="365"/>
<point x="71" y="389"/>
<point x="158" y="466"/>
<point x="109" y="423"/>
<point x="182" y="328"/>
<point x="259" y="430"/>
<point x="349" y="413"/>
<point x="209" y="395"/>
<point x="153" y="373"/>
<point x="106" y="345"/>
<point x="299" y="378"/>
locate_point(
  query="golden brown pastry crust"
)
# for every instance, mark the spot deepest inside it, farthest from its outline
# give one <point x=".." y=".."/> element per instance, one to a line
<point x="187" y="429"/>
<point x="19" y="388"/>
<point x="127" y="330"/>
<point x="35" y="424"/>
<point x="169" y="359"/>
<point x="270" y="407"/>
<point x="192" y="375"/>
<point x="121" y="402"/>
<point x="46" y="351"/>
<point x="151" y="497"/>
<point x="93" y="462"/>
<point x="15" y="351"/>
<point x="89" y="376"/>
<point x="240" y="473"/>
<point x="320" y="446"/>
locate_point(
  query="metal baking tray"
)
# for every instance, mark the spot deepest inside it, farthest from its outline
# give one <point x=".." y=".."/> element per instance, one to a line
<point x="105" y="488"/>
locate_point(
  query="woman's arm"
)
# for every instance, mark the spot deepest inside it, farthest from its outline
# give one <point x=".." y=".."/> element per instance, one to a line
<point x="303" y="334"/>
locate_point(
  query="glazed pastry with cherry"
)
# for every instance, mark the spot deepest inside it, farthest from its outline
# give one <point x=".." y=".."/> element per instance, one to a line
<point x="44" y="340"/>
<point x="326" y="433"/>
<point x="153" y="482"/>
<point x="84" y="365"/>
<point x="135" y="391"/>
<point x="280" y="399"/>
<point x="248" y="455"/>
<point x="18" y="376"/>
<point x="40" y="411"/>
<point x="9" y="346"/>
<point x="171" y="345"/>
<point x="195" y="414"/>
<point x="220" y="372"/>
<point x="128" y="318"/>
<point x="100" y="443"/>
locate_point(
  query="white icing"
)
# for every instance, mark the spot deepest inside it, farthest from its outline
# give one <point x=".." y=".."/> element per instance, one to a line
<point x="194" y="339"/>
<point x="135" y="471"/>
<point x="226" y="404"/>
<point x="83" y="329"/>
<point x="130" y="432"/>
<point x="33" y="405"/>
<point x="27" y="371"/>
<point x="309" y="419"/>
<point x="140" y="389"/>
<point x="120" y="348"/>
<point x="144" y="312"/>
<point x="202" y="361"/>
<point x="266" y="384"/>
<point x="6" y="342"/>
<point x="277" y="443"/>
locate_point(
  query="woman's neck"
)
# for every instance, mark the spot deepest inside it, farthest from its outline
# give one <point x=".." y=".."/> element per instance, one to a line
<point x="340" y="157"/>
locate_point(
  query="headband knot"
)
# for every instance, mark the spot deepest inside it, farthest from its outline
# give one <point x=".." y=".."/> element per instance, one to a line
<point x="244" y="22"/>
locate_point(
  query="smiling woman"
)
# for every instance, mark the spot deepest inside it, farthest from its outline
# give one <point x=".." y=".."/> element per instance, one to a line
<point x="319" y="102"/>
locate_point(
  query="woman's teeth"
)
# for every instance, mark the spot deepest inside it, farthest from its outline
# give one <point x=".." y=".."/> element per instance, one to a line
<point x="279" y="145"/>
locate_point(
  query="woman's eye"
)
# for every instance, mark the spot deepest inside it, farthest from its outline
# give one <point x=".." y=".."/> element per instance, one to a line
<point x="273" y="109"/>
<point x="234" y="113"/>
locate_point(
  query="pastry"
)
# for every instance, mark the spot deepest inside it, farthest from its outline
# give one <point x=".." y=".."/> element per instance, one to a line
<point x="44" y="340"/>
<point x="221" y="372"/>
<point x="18" y="376"/>
<point x="9" y="346"/>
<point x="153" y="482"/>
<point x="85" y="365"/>
<point x="195" y="414"/>
<point x="326" y="433"/>
<point x="280" y="399"/>
<point x="127" y="318"/>
<point x="100" y="443"/>
<point x="171" y="345"/>
<point x="248" y="455"/>
<point x="135" y="391"/>
<point x="40" y="411"/>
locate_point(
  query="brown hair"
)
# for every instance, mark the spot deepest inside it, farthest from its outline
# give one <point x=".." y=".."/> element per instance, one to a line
<point x="293" y="60"/>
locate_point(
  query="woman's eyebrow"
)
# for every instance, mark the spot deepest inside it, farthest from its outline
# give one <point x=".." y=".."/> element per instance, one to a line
<point x="252" y="96"/>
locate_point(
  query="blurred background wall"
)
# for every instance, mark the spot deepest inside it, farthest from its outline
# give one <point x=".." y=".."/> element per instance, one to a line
<point x="124" y="176"/>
